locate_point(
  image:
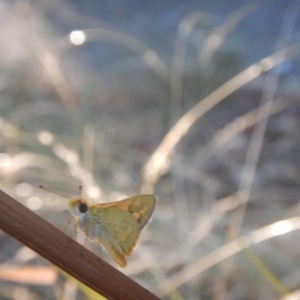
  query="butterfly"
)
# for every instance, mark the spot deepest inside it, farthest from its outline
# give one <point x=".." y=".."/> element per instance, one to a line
<point x="116" y="225"/>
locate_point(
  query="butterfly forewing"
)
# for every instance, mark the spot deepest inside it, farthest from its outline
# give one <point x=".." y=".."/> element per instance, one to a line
<point x="140" y="207"/>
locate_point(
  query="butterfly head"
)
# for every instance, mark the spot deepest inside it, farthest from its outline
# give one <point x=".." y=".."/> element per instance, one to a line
<point x="78" y="207"/>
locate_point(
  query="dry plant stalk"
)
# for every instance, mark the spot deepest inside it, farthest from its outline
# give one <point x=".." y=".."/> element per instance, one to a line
<point x="52" y="244"/>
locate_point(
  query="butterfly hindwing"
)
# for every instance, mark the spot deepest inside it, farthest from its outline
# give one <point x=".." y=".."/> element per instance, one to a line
<point x="112" y="248"/>
<point x="122" y="227"/>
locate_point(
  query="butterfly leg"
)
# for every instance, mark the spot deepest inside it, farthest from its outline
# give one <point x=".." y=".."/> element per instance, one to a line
<point x="99" y="250"/>
<point x="67" y="225"/>
<point x="87" y="243"/>
<point x="90" y="245"/>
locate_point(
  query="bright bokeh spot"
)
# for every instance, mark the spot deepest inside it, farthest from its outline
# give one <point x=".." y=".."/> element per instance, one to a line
<point x="150" y="57"/>
<point x="281" y="227"/>
<point x="93" y="192"/>
<point x="45" y="138"/>
<point x="4" y="160"/>
<point x="65" y="154"/>
<point x="23" y="189"/>
<point x="34" y="203"/>
<point x="214" y="41"/>
<point x="116" y="196"/>
<point x="266" y="64"/>
<point x="77" y="37"/>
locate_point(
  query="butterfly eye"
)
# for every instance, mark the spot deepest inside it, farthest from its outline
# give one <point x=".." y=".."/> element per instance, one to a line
<point x="83" y="207"/>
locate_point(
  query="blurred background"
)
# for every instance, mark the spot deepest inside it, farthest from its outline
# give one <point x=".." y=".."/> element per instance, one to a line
<point x="196" y="102"/>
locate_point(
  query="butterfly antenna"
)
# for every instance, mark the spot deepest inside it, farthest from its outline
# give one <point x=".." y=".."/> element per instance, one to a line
<point x="46" y="189"/>
<point x="80" y="191"/>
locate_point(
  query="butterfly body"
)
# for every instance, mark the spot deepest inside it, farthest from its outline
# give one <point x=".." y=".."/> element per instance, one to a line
<point x="115" y="225"/>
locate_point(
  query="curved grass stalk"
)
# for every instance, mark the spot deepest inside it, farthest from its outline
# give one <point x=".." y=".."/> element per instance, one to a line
<point x="159" y="161"/>
<point x="226" y="251"/>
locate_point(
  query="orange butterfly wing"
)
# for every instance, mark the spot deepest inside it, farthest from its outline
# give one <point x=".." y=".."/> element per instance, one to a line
<point x="121" y="224"/>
